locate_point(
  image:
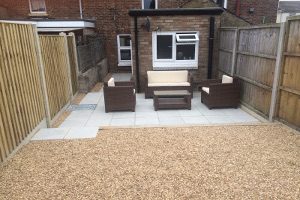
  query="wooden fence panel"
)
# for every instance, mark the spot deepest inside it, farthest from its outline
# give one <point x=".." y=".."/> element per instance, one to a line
<point x="255" y="65"/>
<point x="262" y="40"/>
<point x="226" y="48"/>
<point x="73" y="62"/>
<point x="289" y="96"/>
<point x="21" y="100"/>
<point x="55" y="61"/>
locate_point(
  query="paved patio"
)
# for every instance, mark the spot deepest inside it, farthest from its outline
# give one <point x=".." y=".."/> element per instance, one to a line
<point x="146" y="116"/>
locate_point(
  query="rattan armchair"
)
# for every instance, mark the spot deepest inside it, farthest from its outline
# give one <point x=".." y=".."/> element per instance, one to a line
<point x="120" y="97"/>
<point x="220" y="95"/>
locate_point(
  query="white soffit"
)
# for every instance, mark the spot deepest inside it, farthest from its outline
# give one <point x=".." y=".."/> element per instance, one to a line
<point x="65" y="24"/>
<point x="58" y="29"/>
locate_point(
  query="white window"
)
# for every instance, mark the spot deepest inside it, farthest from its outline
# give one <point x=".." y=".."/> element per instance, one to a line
<point x="124" y="50"/>
<point x="177" y="50"/>
<point x="149" y="4"/>
<point x="37" y="6"/>
<point x="222" y="3"/>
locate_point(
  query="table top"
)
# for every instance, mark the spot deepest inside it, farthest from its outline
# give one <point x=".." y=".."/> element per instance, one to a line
<point x="172" y="93"/>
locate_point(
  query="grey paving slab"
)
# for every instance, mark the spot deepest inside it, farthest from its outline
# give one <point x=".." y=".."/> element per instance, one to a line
<point x="82" y="133"/>
<point x="81" y="122"/>
<point x="123" y="122"/>
<point x="146" y="121"/>
<point x="92" y="98"/>
<point x="51" y="134"/>
<point x="194" y="120"/>
<point x="217" y="119"/>
<point x="146" y="116"/>
<point x="171" y="121"/>
<point x="122" y="115"/>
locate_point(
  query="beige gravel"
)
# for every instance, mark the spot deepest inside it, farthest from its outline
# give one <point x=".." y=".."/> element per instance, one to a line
<point x="231" y="162"/>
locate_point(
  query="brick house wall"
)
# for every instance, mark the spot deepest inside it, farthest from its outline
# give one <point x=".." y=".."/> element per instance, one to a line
<point x="55" y="8"/>
<point x="174" y="23"/>
<point x="265" y="11"/>
<point x="112" y="19"/>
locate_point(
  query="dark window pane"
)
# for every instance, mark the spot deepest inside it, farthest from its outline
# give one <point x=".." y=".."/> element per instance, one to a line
<point x="187" y="37"/>
<point x="149" y="4"/>
<point x="124" y="41"/>
<point x="38" y="5"/>
<point x="125" y="54"/>
<point x="164" y="46"/>
<point x="185" y="52"/>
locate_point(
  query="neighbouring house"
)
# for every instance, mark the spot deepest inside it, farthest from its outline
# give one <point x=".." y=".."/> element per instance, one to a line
<point x="111" y="19"/>
<point x="287" y="8"/>
<point x="253" y="11"/>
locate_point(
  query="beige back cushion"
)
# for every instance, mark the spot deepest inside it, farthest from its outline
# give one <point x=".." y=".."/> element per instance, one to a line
<point x="111" y="82"/>
<point x="227" y="79"/>
<point x="167" y="76"/>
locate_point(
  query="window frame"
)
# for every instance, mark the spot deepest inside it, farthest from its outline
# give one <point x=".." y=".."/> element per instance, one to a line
<point x="124" y="62"/>
<point x="179" y="40"/>
<point x="174" y="63"/>
<point x="156" y="4"/>
<point x="37" y="12"/>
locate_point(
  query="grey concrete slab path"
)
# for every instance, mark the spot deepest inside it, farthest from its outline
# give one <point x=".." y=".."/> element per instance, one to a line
<point x="145" y="115"/>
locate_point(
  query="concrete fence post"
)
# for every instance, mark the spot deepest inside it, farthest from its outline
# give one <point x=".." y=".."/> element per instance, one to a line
<point x="42" y="76"/>
<point x="278" y="66"/>
<point x="68" y="63"/>
<point x="234" y="51"/>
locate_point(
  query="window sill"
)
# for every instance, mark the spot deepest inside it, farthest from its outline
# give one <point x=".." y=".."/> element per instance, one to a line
<point x="38" y="14"/>
<point x="175" y="65"/>
<point x="173" y="68"/>
<point x="124" y="64"/>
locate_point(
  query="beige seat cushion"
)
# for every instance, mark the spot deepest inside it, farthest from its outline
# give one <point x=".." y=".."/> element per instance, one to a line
<point x="111" y="82"/>
<point x="227" y="79"/>
<point x="205" y="89"/>
<point x="167" y="76"/>
<point x="168" y="84"/>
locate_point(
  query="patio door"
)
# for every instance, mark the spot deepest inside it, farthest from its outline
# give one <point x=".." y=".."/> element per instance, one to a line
<point x="124" y="50"/>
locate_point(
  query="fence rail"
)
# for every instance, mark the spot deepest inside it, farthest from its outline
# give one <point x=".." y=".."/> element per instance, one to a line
<point x="270" y="86"/>
<point x="35" y="81"/>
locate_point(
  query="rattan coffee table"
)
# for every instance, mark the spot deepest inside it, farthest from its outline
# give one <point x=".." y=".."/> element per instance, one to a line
<point x="172" y="99"/>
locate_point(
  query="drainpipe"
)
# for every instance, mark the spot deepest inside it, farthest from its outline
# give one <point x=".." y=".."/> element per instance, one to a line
<point x="80" y="9"/>
<point x="238" y="8"/>
<point x="137" y="61"/>
<point x="211" y="46"/>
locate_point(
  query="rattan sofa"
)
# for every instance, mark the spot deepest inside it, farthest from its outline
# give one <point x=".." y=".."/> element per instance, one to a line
<point x="120" y="97"/>
<point x="168" y="80"/>
<point x="215" y="94"/>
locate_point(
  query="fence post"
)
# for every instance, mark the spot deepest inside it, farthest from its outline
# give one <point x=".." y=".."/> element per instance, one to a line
<point x="68" y="63"/>
<point x="234" y="51"/>
<point x="277" y="71"/>
<point x="42" y="76"/>
<point x="75" y="53"/>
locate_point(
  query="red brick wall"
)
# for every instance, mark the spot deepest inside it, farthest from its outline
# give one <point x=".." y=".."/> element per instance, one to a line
<point x="263" y="9"/>
<point x="55" y="8"/>
<point x="111" y="16"/>
<point x="172" y="3"/>
<point x="173" y="23"/>
<point x="112" y="19"/>
<point x="266" y="9"/>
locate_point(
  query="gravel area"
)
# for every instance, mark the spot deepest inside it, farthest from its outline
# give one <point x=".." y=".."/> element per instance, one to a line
<point x="229" y="162"/>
